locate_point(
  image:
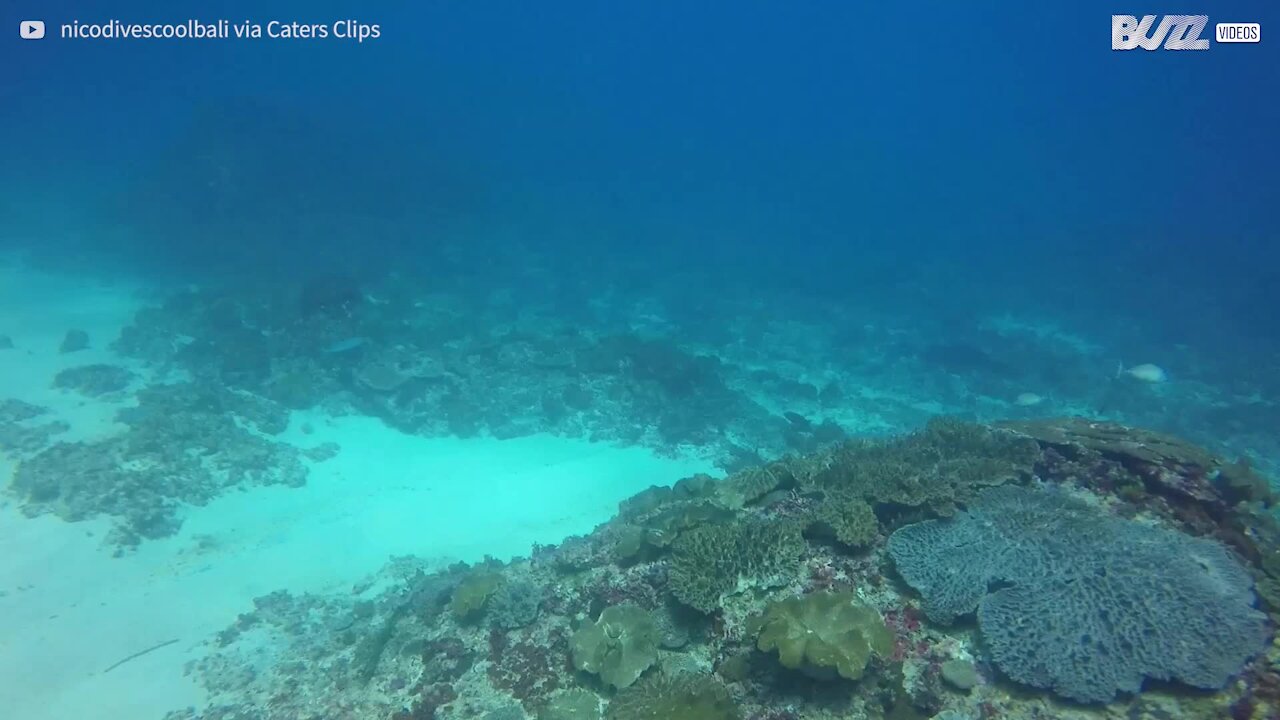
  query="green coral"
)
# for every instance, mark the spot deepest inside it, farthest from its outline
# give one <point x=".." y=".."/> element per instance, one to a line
<point x="472" y="594"/>
<point x="652" y="519"/>
<point x="618" y="647"/>
<point x="751" y="484"/>
<point x="575" y="704"/>
<point x="960" y="674"/>
<point x="645" y="501"/>
<point x="847" y="518"/>
<point x="694" y="486"/>
<point x="674" y="697"/>
<point x="651" y="534"/>
<point x="656" y="496"/>
<point x="629" y="542"/>
<point x="947" y="461"/>
<point x="712" y="561"/>
<point x="675" y="519"/>
<point x="825" y="634"/>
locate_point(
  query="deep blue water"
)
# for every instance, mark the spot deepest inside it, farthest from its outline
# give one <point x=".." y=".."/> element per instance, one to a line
<point x="953" y="157"/>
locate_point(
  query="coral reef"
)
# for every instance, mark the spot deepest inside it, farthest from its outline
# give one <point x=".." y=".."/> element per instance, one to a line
<point x="1162" y="460"/>
<point x="12" y="410"/>
<point x="710" y="562"/>
<point x="683" y="696"/>
<point x="619" y="646"/>
<point x="824" y="633"/>
<point x="531" y="665"/>
<point x="444" y="365"/>
<point x="960" y="674"/>
<point x="753" y="483"/>
<point x="1180" y="482"/>
<point x="184" y="445"/>
<point x="942" y="464"/>
<point x="676" y="607"/>
<point x="575" y="704"/>
<point x="515" y="604"/>
<point x="848" y="519"/>
<point x="25" y="429"/>
<point x="471" y="597"/>
<point x="1088" y="604"/>
<point x="94" y="380"/>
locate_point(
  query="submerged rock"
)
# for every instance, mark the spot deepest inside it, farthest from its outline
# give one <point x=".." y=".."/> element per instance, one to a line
<point x="74" y="341"/>
<point x="94" y="380"/>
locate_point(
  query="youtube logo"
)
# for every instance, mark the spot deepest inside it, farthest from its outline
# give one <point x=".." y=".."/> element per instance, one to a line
<point x="31" y="29"/>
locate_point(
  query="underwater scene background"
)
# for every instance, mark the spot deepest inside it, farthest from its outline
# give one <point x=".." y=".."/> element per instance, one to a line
<point x="701" y="361"/>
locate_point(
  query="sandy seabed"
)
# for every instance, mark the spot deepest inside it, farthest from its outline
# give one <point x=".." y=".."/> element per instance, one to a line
<point x="69" y="611"/>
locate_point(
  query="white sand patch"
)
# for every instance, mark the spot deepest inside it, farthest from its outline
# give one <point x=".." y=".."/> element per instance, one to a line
<point x="69" y="611"/>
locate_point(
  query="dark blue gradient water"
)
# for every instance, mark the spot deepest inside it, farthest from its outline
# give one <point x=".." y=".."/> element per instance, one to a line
<point x="946" y="162"/>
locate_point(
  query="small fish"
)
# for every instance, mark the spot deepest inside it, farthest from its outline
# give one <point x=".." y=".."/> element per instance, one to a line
<point x="345" y="345"/>
<point x="1146" y="372"/>
<point x="1027" y="400"/>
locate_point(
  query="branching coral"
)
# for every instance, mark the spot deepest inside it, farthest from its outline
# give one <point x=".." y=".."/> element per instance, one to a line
<point x="746" y="486"/>
<point x="658" y="530"/>
<point x="515" y="604"/>
<point x="947" y="461"/>
<point x="710" y="562"/>
<point x="849" y="519"/>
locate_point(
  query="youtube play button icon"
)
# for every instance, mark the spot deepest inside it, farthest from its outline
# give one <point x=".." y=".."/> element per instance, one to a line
<point x="31" y="29"/>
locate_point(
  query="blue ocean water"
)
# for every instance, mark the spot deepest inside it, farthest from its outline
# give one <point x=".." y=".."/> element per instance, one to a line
<point x="839" y="152"/>
<point x="730" y="232"/>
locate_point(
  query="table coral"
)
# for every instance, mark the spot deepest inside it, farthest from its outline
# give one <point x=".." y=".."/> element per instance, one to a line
<point x="1090" y="604"/>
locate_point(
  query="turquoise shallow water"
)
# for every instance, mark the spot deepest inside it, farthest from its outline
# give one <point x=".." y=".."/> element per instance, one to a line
<point x="561" y="360"/>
